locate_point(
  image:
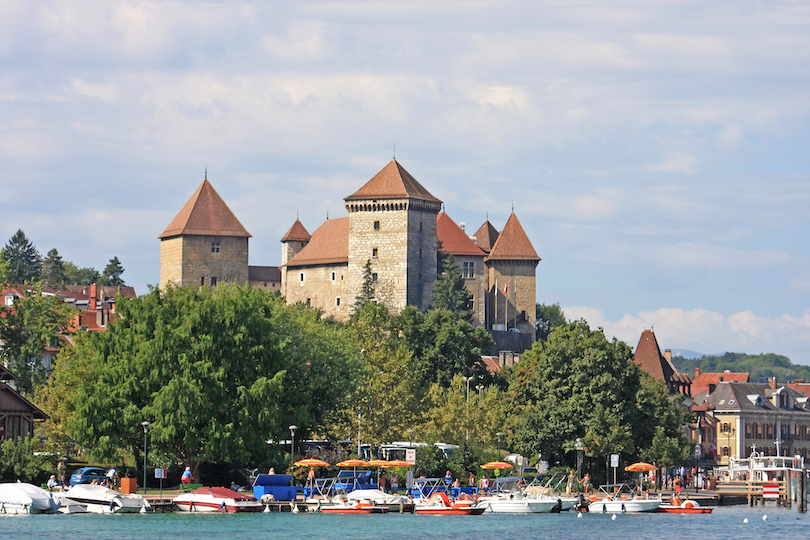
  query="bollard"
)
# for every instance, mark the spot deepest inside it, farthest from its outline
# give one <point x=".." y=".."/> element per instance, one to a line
<point x="802" y="490"/>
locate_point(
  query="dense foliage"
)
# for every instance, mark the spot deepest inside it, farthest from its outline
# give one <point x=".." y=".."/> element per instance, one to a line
<point x="449" y="292"/>
<point x="547" y="317"/>
<point x="760" y="367"/>
<point x="216" y="372"/>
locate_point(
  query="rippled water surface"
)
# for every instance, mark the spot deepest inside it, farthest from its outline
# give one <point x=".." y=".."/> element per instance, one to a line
<point x="724" y="522"/>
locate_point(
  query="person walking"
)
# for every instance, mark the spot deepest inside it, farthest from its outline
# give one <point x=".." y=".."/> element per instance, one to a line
<point x="572" y="478"/>
<point x="586" y="482"/>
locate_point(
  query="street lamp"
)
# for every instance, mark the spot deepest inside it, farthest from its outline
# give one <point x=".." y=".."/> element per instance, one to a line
<point x="468" y="379"/>
<point x="579" y="447"/>
<point x="499" y="434"/>
<point x="292" y="448"/>
<point x="479" y="388"/>
<point x="410" y="435"/>
<point x="145" y="425"/>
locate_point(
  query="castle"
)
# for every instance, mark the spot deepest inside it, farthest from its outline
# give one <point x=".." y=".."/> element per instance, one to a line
<point x="393" y="222"/>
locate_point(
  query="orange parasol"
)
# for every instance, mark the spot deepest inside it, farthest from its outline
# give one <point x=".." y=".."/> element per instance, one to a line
<point x="378" y="463"/>
<point x="353" y="463"/>
<point x="398" y="463"/>
<point x="641" y="467"/>
<point x="497" y="465"/>
<point x="311" y="462"/>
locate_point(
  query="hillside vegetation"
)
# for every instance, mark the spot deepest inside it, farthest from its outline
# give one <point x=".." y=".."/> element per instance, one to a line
<point x="759" y="366"/>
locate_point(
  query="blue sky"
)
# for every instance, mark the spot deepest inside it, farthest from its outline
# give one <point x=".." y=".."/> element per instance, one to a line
<point x="657" y="153"/>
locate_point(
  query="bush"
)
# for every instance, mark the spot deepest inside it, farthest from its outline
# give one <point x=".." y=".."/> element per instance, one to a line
<point x="19" y="462"/>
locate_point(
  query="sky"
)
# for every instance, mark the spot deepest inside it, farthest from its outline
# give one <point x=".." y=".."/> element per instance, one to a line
<point x="656" y="153"/>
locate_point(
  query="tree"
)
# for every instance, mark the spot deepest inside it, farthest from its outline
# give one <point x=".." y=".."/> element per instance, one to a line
<point x="216" y="372"/>
<point x="577" y="384"/>
<point x="445" y="346"/>
<point x="547" y="318"/>
<point x="24" y="261"/>
<point x="366" y="294"/>
<point x="26" y="328"/>
<point x="449" y="292"/>
<point x="80" y="276"/>
<point x="53" y="270"/>
<point x="112" y="273"/>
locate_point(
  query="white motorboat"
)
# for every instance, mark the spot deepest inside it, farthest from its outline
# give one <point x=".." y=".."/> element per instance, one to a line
<point x="21" y="498"/>
<point x="621" y="504"/>
<point x="217" y="499"/>
<point x="101" y="500"/>
<point x="516" y="505"/>
<point x="375" y="496"/>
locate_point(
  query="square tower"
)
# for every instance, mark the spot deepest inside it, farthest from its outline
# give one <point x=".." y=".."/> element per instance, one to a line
<point x="392" y="223"/>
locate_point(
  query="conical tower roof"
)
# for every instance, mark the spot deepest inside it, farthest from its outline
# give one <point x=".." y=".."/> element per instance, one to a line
<point x="486" y="236"/>
<point x="205" y="214"/>
<point x="513" y="244"/>
<point x="393" y="182"/>
<point x="297" y="233"/>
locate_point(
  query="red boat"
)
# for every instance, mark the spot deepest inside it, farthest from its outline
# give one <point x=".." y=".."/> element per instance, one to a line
<point x="217" y="499"/>
<point x="356" y="508"/>
<point x="677" y="506"/>
<point x="439" y="503"/>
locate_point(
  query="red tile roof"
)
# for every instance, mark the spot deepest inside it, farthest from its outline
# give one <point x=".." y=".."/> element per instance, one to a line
<point x="453" y="239"/>
<point x="513" y="244"/>
<point x="393" y="182"/>
<point x="648" y="356"/>
<point x="329" y="245"/>
<point x="486" y="236"/>
<point x="297" y="233"/>
<point x="701" y="382"/>
<point x="205" y="214"/>
<point x="264" y="273"/>
<point x="802" y="388"/>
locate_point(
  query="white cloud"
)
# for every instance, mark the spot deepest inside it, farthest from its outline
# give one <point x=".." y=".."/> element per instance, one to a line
<point x="709" y="332"/>
<point x="304" y="41"/>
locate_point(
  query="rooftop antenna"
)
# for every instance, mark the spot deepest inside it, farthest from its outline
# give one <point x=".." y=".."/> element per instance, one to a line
<point x="487" y="216"/>
<point x="327" y="213"/>
<point x="296" y="215"/>
<point x="206" y="171"/>
<point x="395" y="152"/>
<point x="513" y="207"/>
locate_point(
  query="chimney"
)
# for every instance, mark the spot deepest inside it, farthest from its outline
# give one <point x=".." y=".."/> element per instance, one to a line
<point x="772" y="382"/>
<point x="93" y="297"/>
<point x="462" y="226"/>
<point x="697" y="372"/>
<point x="668" y="355"/>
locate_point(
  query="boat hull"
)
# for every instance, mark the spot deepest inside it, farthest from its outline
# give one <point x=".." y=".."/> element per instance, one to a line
<point x="220" y="500"/>
<point x="21" y="498"/>
<point x="630" y="506"/>
<point x="101" y="500"/>
<point x="444" y="511"/>
<point x="680" y="510"/>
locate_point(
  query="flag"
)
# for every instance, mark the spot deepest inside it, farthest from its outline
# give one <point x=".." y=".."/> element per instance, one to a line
<point x="506" y="287"/>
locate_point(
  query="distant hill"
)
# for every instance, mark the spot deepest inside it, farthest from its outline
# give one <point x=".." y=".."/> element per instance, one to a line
<point x="760" y="367"/>
<point x="686" y="353"/>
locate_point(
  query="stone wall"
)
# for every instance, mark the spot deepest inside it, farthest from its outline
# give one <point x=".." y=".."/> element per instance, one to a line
<point x="476" y="286"/>
<point x="188" y="260"/>
<point x="324" y="287"/>
<point x="518" y="308"/>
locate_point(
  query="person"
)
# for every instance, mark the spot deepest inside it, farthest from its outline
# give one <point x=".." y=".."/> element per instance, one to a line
<point x="457" y="483"/>
<point x="484" y="484"/>
<point x="572" y="478"/>
<point x="52" y="483"/>
<point x="586" y="482"/>
<point x="394" y="483"/>
<point x="557" y="508"/>
<point x="234" y="486"/>
<point x="448" y="478"/>
<point x="472" y="480"/>
<point x="112" y="474"/>
<point x="383" y="483"/>
<point x="187" y="478"/>
<point x="311" y="477"/>
<point x="678" y="486"/>
<point x="61" y="468"/>
<point x="271" y="471"/>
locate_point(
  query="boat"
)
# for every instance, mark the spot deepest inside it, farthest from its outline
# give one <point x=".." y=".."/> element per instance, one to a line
<point x="511" y="495"/>
<point x="102" y="500"/>
<point x="355" y="507"/>
<point x="21" y="498"/>
<point x="440" y="504"/>
<point x="217" y="499"/>
<point x="379" y="498"/>
<point x="677" y="506"/>
<point x="517" y="504"/>
<point x="620" y="504"/>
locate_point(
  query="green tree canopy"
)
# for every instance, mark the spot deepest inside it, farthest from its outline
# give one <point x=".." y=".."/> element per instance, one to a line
<point x="580" y="385"/>
<point x="26" y="329"/>
<point x="24" y="261"/>
<point x="216" y="372"/>
<point x="53" y="270"/>
<point x="547" y="318"/>
<point x="449" y="292"/>
<point x="366" y="294"/>
<point x="445" y="346"/>
<point x="80" y="276"/>
<point x="112" y="273"/>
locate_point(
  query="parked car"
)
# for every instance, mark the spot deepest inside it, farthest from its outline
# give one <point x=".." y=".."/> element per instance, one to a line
<point x="86" y="475"/>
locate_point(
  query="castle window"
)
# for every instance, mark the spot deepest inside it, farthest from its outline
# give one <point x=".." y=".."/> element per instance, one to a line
<point x="213" y="281"/>
<point x="214" y="247"/>
<point x="301" y="277"/>
<point x="374" y="252"/>
<point x="374" y="277"/>
<point x="337" y="301"/>
<point x="376" y="225"/>
<point x="468" y="269"/>
<point x="333" y="276"/>
<point x="420" y="226"/>
<point x="202" y="281"/>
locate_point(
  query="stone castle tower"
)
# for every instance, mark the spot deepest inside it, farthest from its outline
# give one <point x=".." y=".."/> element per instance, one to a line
<point x="392" y="223"/>
<point x="204" y="243"/>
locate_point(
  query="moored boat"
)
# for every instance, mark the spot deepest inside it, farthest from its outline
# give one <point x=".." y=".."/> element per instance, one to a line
<point x="619" y="505"/>
<point x="356" y="507"/>
<point x="217" y="499"/>
<point x="440" y="504"/>
<point x="677" y="506"/>
<point x="21" y="498"/>
<point x="101" y="500"/>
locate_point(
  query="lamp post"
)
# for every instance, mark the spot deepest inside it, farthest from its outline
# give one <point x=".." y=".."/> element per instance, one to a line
<point x="292" y="447"/>
<point x="359" y="416"/>
<point x="145" y="425"/>
<point x="468" y="379"/>
<point x="579" y="447"/>
<point x="410" y="436"/>
<point x="479" y="388"/>
<point x="499" y="434"/>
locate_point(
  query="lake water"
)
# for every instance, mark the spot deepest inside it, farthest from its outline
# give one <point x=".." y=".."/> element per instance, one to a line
<point x="724" y="522"/>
